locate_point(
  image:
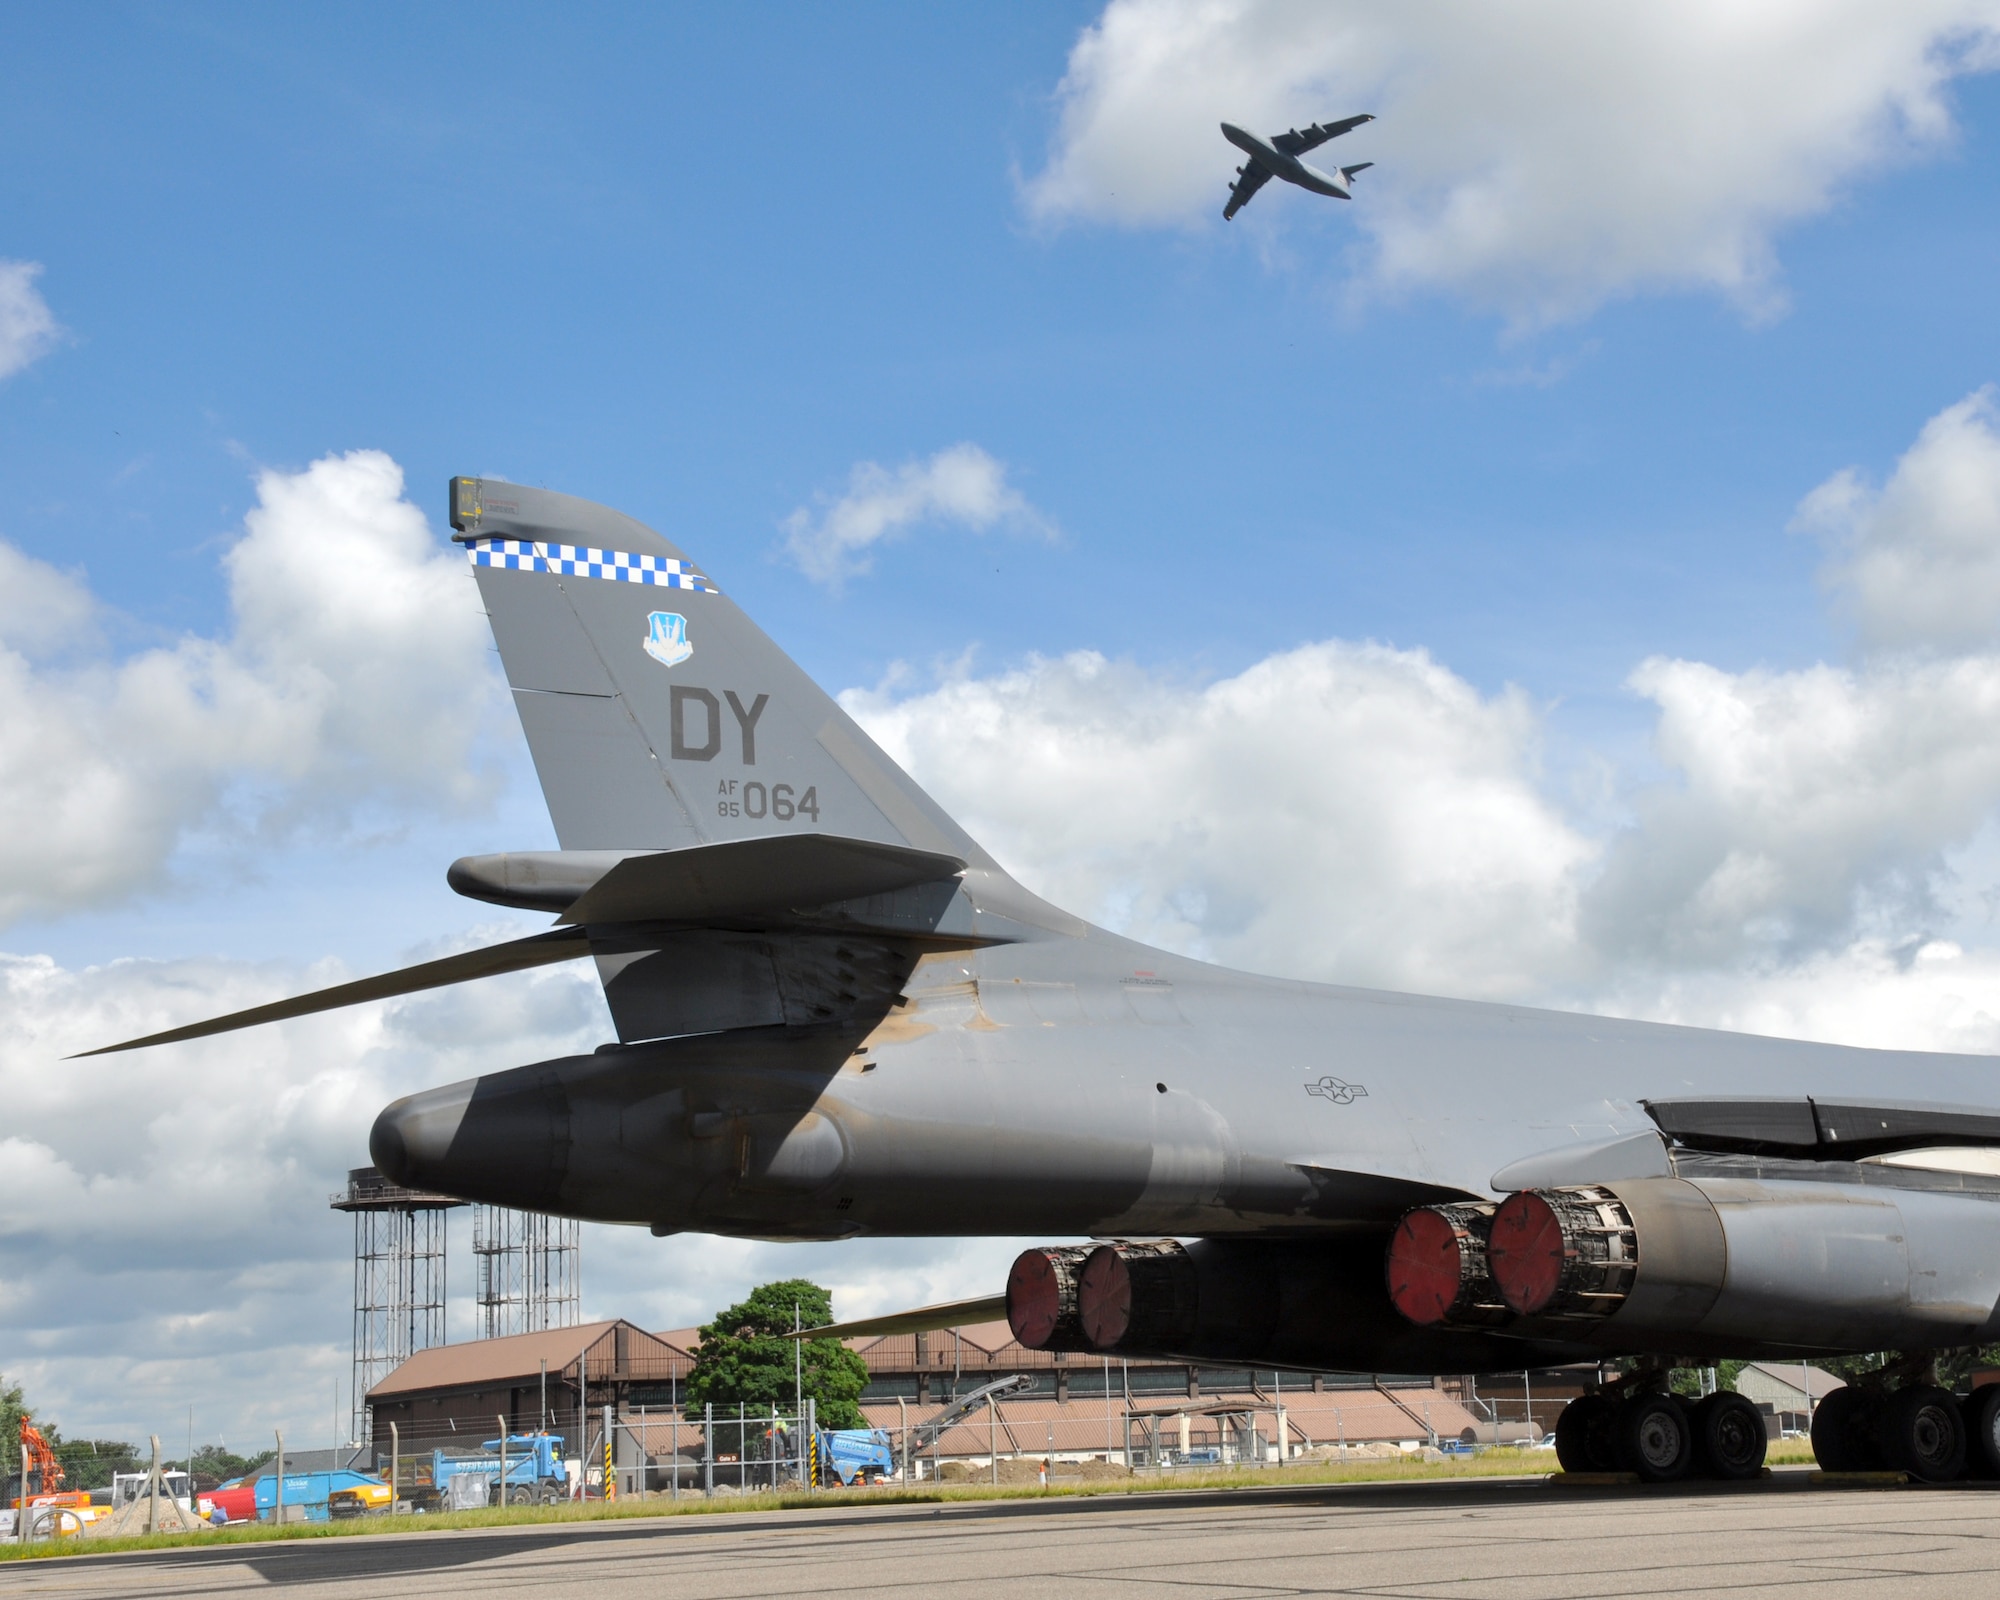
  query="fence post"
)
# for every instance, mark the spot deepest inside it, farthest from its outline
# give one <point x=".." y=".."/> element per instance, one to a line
<point x="708" y="1449"/>
<point x="395" y="1465"/>
<point x="278" y="1495"/>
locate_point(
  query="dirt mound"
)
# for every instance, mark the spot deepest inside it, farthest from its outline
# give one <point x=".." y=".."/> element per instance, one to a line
<point x="1028" y="1470"/>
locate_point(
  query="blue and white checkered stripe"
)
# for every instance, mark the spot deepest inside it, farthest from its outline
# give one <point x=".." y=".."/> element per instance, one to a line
<point x="575" y="561"/>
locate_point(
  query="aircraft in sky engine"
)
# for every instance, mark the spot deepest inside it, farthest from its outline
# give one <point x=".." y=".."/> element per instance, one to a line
<point x="837" y="1015"/>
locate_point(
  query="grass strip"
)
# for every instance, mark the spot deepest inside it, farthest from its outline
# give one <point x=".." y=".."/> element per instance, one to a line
<point x="1488" y="1464"/>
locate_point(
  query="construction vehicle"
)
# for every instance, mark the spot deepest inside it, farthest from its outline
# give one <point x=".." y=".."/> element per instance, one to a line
<point x="41" y="1499"/>
<point x="41" y="1472"/>
<point x="453" y="1480"/>
<point x="129" y="1486"/>
<point x="848" y="1456"/>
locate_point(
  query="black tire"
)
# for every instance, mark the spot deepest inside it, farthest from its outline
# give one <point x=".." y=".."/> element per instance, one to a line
<point x="1843" y="1432"/>
<point x="1980" y="1412"/>
<point x="1583" y="1441"/>
<point x="1922" y="1434"/>
<point x="1729" y="1438"/>
<point x="1653" y="1437"/>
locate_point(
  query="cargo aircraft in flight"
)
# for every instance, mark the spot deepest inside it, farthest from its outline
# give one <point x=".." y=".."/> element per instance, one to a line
<point x="1278" y="157"/>
<point x="837" y="1015"/>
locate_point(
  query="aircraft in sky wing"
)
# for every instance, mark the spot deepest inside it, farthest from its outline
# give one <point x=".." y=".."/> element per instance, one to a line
<point x="1278" y="157"/>
<point x="837" y="1015"/>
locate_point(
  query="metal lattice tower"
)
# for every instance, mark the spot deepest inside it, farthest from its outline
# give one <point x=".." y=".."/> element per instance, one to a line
<point x="530" y="1271"/>
<point x="399" y="1277"/>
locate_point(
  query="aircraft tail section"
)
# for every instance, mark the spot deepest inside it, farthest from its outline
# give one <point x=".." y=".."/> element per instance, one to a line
<point x="660" y="717"/>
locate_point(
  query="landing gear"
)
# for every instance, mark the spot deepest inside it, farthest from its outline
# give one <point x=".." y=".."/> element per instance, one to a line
<point x="1652" y="1437"/>
<point x="1729" y="1437"/>
<point x="1657" y="1436"/>
<point x="1918" y="1431"/>
<point x="1583" y="1434"/>
<point x="1980" y="1413"/>
<point x="1843" y="1433"/>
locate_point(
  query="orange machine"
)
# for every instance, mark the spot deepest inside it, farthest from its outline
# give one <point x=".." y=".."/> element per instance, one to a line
<point x="41" y="1472"/>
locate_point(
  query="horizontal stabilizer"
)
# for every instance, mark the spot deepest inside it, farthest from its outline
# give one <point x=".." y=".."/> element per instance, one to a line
<point x="750" y="877"/>
<point x="516" y="955"/>
<point x="927" y="1319"/>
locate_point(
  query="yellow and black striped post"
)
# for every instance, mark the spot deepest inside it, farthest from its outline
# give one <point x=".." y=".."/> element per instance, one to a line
<point x="812" y="1456"/>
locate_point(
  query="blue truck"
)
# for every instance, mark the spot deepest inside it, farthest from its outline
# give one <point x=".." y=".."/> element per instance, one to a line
<point x="854" y="1455"/>
<point x="454" y="1480"/>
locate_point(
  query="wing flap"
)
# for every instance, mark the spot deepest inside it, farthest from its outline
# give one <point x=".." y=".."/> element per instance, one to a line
<point x="1820" y="1130"/>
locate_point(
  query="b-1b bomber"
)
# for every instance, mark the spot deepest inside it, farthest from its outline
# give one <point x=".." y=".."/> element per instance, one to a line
<point x="837" y="1015"/>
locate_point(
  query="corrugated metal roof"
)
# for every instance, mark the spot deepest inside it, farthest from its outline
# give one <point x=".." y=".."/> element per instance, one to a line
<point x="519" y="1358"/>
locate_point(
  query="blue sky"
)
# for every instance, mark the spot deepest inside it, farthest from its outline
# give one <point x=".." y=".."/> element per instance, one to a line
<point x="703" y="265"/>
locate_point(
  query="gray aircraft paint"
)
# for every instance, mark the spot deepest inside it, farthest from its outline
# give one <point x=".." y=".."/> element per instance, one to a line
<point x="1278" y="157"/>
<point x="860" y="1024"/>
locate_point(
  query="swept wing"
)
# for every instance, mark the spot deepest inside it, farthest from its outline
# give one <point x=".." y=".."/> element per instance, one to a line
<point x="1297" y="142"/>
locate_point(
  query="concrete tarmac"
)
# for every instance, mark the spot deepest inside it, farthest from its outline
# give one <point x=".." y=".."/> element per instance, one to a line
<point x="1466" y="1541"/>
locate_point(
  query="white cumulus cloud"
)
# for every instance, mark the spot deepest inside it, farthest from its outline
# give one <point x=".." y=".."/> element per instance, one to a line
<point x="164" y="1232"/>
<point x="1361" y="814"/>
<point x="960" y="486"/>
<point x="357" y="668"/>
<point x="1916" y="564"/>
<point x="1341" y="810"/>
<point x="1536" y="159"/>
<point x="28" y="328"/>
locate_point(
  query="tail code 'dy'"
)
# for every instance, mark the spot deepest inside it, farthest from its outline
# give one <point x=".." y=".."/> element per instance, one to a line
<point x="658" y="714"/>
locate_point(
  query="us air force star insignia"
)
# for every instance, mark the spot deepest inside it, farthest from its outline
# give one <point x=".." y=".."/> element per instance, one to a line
<point x="1341" y="1094"/>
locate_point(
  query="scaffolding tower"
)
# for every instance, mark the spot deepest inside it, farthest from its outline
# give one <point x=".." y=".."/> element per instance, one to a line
<point x="399" y="1278"/>
<point x="530" y="1271"/>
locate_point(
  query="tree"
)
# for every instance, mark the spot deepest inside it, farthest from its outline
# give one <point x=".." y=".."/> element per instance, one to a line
<point x="1691" y="1380"/>
<point x="746" y="1359"/>
<point x="90" y="1463"/>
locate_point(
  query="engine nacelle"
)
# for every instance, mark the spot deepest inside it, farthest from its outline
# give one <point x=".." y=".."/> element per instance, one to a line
<point x="1437" y="1268"/>
<point x="1309" y="1304"/>
<point x="1042" y="1296"/>
<point x="1718" y="1265"/>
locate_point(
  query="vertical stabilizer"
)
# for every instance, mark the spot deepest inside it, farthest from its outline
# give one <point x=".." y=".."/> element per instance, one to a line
<point x="658" y="714"/>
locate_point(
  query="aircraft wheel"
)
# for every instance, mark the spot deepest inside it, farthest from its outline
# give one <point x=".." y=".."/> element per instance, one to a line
<point x="1729" y="1437"/>
<point x="1921" y="1434"/>
<point x="1583" y="1442"/>
<point x="1652" y="1437"/>
<point x="1980" y="1412"/>
<point x="1843" y="1432"/>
